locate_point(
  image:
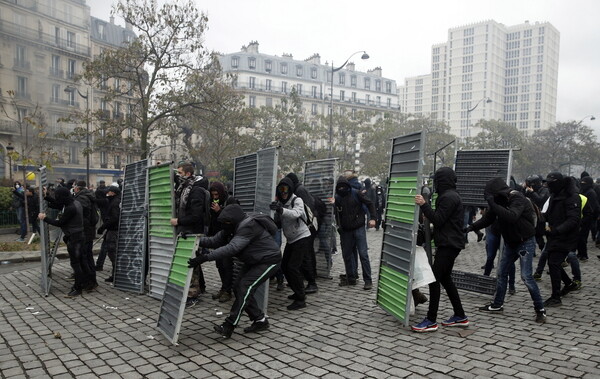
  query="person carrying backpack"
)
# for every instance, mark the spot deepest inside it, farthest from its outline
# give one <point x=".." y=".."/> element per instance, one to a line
<point x="350" y="218"/>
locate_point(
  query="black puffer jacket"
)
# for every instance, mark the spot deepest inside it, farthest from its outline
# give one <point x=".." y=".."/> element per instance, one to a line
<point x="564" y="217"/>
<point x="249" y="238"/>
<point x="87" y="198"/>
<point x="349" y="211"/>
<point x="512" y="210"/>
<point x="448" y="217"/>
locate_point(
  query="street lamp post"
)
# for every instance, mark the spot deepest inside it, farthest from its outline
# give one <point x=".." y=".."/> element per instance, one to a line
<point x="334" y="70"/>
<point x="487" y="100"/>
<point x="591" y="117"/>
<point x="87" y="126"/>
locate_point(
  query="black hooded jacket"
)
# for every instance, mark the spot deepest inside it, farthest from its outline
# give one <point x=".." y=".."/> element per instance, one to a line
<point x="350" y="214"/>
<point x="448" y="217"/>
<point x="302" y="192"/>
<point x="513" y="211"/>
<point x="249" y="238"/>
<point x="87" y="199"/>
<point x="190" y="213"/>
<point x="224" y="200"/>
<point x="563" y="216"/>
<point x="587" y="190"/>
<point x="71" y="220"/>
<point x="110" y="219"/>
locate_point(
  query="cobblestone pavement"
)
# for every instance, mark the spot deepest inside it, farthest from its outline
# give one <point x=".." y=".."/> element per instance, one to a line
<point x="341" y="333"/>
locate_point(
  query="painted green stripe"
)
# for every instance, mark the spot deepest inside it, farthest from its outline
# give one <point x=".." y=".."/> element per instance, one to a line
<point x="392" y="291"/>
<point x="401" y="199"/>
<point x="179" y="267"/>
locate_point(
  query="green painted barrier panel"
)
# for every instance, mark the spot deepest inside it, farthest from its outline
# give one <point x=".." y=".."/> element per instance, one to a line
<point x="160" y="202"/>
<point x="401" y="199"/>
<point x="392" y="293"/>
<point x="179" y="268"/>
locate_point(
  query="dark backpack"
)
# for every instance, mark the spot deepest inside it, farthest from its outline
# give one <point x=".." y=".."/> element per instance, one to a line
<point x="94" y="214"/>
<point x="265" y="221"/>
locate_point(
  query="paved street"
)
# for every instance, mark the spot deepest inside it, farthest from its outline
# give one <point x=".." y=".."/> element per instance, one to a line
<point x="342" y="333"/>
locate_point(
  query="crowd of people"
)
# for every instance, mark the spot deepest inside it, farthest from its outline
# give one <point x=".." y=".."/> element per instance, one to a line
<point x="556" y="214"/>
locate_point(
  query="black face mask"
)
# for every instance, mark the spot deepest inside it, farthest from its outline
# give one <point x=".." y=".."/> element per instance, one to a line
<point x="343" y="190"/>
<point x="500" y="199"/>
<point x="555" y="186"/>
<point x="228" y="228"/>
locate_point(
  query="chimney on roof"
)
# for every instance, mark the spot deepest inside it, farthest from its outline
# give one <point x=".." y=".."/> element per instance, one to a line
<point x="350" y="66"/>
<point x="376" y="71"/>
<point x="252" y="47"/>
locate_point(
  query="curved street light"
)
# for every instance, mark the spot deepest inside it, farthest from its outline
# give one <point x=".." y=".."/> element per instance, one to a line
<point x="487" y="100"/>
<point x="333" y="70"/>
<point x="591" y="117"/>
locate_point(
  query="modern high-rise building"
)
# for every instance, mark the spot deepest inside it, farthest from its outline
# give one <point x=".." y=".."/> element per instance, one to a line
<point x="489" y="71"/>
<point x="43" y="47"/>
<point x="265" y="79"/>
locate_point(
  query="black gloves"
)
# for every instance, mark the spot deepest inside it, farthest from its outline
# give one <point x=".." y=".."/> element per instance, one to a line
<point x="276" y="206"/>
<point x="468" y="229"/>
<point x="101" y="229"/>
<point x="193" y="262"/>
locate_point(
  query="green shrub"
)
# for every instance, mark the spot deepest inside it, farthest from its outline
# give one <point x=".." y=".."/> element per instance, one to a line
<point x="6" y="198"/>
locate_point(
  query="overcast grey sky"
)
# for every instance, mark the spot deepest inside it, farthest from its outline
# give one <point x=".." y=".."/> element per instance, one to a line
<point x="398" y="35"/>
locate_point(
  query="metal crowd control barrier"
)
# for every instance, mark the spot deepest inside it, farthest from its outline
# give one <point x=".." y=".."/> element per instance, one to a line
<point x="473" y="169"/>
<point x="131" y="242"/>
<point x="400" y="233"/>
<point x="319" y="178"/>
<point x="161" y="234"/>
<point x="250" y="171"/>
<point x="176" y="289"/>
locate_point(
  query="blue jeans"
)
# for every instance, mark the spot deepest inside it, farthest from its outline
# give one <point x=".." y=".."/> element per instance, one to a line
<point x="492" y="244"/>
<point x="351" y="241"/>
<point x="523" y="252"/>
<point x="22" y="221"/>
<point x="573" y="261"/>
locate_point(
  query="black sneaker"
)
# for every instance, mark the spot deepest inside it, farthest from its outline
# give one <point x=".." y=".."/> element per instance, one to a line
<point x="217" y="295"/>
<point x="492" y="308"/>
<point x="257" y="326"/>
<point x="368" y="285"/>
<point x="109" y="279"/>
<point x="566" y="289"/>
<point x="540" y="316"/>
<point x="297" y="304"/>
<point x="191" y="301"/>
<point x="512" y="291"/>
<point x="311" y="288"/>
<point x="225" y="329"/>
<point x="91" y="287"/>
<point x="280" y="286"/>
<point x="294" y="297"/>
<point x="537" y="276"/>
<point x="552" y="302"/>
<point x="73" y="293"/>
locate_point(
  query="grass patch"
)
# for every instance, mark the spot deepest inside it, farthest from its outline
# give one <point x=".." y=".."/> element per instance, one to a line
<point x="19" y="246"/>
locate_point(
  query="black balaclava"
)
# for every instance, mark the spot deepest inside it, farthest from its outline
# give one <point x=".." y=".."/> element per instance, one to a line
<point x="285" y="182"/>
<point x="584" y="174"/>
<point x="444" y="179"/>
<point x="342" y="187"/>
<point x="535" y="182"/>
<point x="498" y="188"/>
<point x="294" y="179"/>
<point x="555" y="182"/>
<point x="368" y="183"/>
<point x="62" y="196"/>
<point x="586" y="183"/>
<point x="230" y="218"/>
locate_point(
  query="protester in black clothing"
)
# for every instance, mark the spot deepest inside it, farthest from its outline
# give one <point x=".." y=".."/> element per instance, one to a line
<point x="221" y="199"/>
<point x="33" y="209"/>
<point x="101" y="200"/>
<point x="538" y="194"/>
<point x="586" y="189"/>
<point x="250" y="239"/>
<point x="90" y="219"/>
<point x="448" y="220"/>
<point x="379" y="205"/>
<point x="18" y="205"/>
<point x="191" y="195"/>
<point x="110" y="224"/>
<point x="563" y="218"/>
<point x="71" y="224"/>
<point x="309" y="265"/>
<point x="351" y="207"/>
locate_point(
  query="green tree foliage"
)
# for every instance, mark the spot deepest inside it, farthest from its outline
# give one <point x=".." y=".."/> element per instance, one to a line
<point x="283" y="125"/>
<point x="155" y="69"/>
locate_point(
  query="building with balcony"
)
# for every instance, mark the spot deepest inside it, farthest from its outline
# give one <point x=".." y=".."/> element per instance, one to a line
<point x="516" y="67"/>
<point x="265" y="80"/>
<point x="42" y="51"/>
